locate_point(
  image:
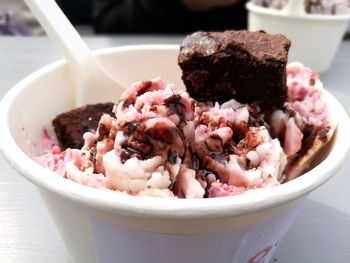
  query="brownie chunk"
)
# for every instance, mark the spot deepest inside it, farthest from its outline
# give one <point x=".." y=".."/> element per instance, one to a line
<point x="246" y="66"/>
<point x="70" y="126"/>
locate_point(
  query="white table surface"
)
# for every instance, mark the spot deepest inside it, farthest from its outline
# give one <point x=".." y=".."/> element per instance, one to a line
<point x="321" y="232"/>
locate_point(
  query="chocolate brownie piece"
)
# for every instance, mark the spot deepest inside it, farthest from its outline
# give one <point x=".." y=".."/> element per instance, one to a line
<point x="246" y="66"/>
<point x="70" y="126"/>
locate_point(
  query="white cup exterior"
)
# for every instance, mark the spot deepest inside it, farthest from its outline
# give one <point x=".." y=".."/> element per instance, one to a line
<point x="315" y="38"/>
<point x="92" y="235"/>
<point x="105" y="226"/>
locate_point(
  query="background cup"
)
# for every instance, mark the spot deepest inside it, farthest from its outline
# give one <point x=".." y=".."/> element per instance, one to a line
<point x="105" y="226"/>
<point x="315" y="37"/>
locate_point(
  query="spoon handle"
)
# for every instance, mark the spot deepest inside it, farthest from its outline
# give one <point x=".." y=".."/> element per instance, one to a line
<point x="86" y="73"/>
<point x="61" y="31"/>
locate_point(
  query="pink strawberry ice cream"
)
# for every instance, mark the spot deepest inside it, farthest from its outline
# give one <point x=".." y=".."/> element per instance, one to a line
<point x="305" y="126"/>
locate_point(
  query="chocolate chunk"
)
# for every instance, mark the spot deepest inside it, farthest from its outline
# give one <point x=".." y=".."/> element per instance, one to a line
<point x="214" y="143"/>
<point x="71" y="126"/>
<point x="175" y="105"/>
<point x="246" y="66"/>
<point x="172" y="156"/>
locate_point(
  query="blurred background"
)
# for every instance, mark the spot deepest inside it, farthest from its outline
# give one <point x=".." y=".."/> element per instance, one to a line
<point x="92" y="17"/>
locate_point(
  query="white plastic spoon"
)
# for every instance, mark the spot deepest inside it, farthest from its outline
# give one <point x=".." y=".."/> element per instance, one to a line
<point x="88" y="76"/>
<point x="294" y="8"/>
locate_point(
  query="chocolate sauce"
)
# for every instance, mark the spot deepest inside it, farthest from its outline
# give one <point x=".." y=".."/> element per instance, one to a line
<point x="130" y="127"/>
<point x="146" y="85"/>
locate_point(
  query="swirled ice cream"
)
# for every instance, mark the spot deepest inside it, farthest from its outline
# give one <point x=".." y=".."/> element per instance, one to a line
<point x="160" y="141"/>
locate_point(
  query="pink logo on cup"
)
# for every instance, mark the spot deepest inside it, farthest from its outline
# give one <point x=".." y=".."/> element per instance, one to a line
<point x="260" y="256"/>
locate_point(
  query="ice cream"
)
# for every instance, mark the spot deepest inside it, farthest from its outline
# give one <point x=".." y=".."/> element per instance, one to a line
<point x="160" y="141"/>
<point x="306" y="125"/>
<point x="333" y="7"/>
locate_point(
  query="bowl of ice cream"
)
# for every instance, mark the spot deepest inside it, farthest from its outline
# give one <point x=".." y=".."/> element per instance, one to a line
<point x="316" y="32"/>
<point x="150" y="220"/>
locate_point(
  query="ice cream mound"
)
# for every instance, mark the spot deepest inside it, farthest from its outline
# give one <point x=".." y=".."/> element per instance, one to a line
<point x="329" y="7"/>
<point x="160" y="141"/>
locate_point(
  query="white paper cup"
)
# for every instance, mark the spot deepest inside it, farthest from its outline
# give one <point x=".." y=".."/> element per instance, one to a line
<point x="105" y="226"/>
<point x="315" y="37"/>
